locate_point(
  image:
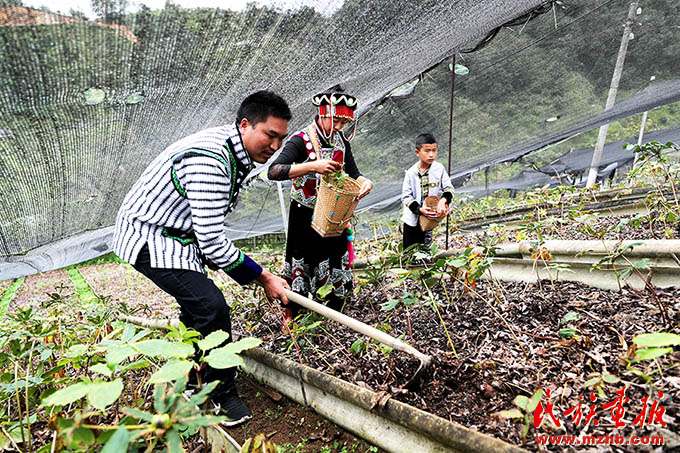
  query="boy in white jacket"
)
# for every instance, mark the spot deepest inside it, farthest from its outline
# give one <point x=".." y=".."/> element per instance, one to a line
<point x="426" y="177"/>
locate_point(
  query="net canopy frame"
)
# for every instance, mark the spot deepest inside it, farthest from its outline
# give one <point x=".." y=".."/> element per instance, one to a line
<point x="87" y="103"/>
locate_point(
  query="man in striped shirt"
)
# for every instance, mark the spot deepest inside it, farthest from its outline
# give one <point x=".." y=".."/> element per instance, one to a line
<point x="171" y="223"/>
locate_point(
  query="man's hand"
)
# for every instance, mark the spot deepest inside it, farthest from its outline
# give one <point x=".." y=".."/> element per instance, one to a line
<point x="325" y="166"/>
<point x="366" y="186"/>
<point x="273" y="286"/>
<point x="429" y="213"/>
<point x="442" y="208"/>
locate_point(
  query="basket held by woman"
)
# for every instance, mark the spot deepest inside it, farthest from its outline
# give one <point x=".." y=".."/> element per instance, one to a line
<point x="337" y="198"/>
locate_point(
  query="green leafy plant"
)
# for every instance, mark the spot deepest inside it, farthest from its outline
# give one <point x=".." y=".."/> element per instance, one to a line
<point x="597" y="380"/>
<point x="358" y="347"/>
<point x="651" y="346"/>
<point x="525" y="409"/>
<point x="73" y="370"/>
<point x="407" y="299"/>
<point x="569" y="331"/>
<point x="336" y="179"/>
<point x="374" y="275"/>
<point x="654" y="164"/>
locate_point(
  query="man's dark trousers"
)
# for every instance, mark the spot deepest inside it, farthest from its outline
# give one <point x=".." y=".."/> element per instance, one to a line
<point x="203" y="308"/>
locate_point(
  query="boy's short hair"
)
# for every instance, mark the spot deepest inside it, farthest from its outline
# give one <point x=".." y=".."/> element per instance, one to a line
<point x="425" y="139"/>
<point x="261" y="105"/>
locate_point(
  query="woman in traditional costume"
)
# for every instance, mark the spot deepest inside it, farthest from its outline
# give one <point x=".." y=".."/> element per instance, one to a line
<point x="313" y="261"/>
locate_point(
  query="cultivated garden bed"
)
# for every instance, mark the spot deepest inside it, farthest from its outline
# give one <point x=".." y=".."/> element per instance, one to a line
<point x="493" y="342"/>
<point x="516" y="361"/>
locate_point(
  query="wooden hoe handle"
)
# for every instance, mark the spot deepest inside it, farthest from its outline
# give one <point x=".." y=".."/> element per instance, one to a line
<point x="357" y="326"/>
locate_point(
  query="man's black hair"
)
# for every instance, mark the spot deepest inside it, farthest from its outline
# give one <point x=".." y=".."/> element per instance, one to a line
<point x="261" y="105"/>
<point x="425" y="139"/>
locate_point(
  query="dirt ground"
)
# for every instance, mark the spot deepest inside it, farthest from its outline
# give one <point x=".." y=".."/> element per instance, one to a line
<point x="36" y="288"/>
<point x="491" y="342"/>
<point x="292" y="427"/>
<point x="507" y="343"/>
<point x="123" y="284"/>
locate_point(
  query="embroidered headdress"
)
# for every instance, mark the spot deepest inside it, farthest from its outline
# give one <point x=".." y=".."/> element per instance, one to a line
<point x="335" y="103"/>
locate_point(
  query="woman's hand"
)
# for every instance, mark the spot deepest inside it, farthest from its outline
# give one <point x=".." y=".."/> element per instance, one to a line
<point x="366" y="186"/>
<point x="325" y="166"/>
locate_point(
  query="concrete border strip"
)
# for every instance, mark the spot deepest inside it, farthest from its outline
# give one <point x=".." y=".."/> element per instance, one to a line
<point x="394" y="427"/>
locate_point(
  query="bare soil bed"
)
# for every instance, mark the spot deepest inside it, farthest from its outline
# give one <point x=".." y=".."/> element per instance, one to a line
<point x="292" y="427"/>
<point x="37" y="287"/>
<point x="507" y="344"/>
<point x="626" y="227"/>
<point x="122" y="283"/>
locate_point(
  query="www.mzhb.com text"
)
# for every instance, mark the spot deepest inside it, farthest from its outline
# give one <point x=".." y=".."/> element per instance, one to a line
<point x="607" y="439"/>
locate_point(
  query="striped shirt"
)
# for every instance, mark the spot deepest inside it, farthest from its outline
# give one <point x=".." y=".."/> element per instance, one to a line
<point x="179" y="204"/>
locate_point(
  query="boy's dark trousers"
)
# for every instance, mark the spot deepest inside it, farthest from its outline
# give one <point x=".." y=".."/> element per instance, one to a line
<point x="414" y="235"/>
<point x="203" y="308"/>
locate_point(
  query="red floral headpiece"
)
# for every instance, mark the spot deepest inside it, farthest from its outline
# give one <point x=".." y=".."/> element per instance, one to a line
<point x="336" y="105"/>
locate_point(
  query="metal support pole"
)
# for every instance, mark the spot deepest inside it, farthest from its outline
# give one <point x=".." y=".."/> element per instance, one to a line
<point x="640" y="135"/>
<point x="283" y="208"/>
<point x="642" y="127"/>
<point x="611" y="98"/>
<point x="448" y="168"/>
<point x="643" y="123"/>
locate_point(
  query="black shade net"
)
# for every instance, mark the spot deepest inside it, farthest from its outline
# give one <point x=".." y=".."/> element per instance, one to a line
<point x="86" y="105"/>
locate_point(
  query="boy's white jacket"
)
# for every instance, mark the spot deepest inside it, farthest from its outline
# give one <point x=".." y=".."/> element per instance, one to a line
<point x="439" y="182"/>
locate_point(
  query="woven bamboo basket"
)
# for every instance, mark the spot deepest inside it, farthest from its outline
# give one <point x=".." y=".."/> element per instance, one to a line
<point x="428" y="224"/>
<point x="334" y="206"/>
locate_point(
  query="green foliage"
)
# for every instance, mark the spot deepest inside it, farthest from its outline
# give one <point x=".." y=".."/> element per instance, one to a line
<point x="171" y="371"/>
<point x="406" y="299"/>
<point x="324" y="291"/>
<point x="8" y="295"/>
<point x="336" y="179"/>
<point x="213" y="340"/>
<point x="99" y="394"/>
<point x="658" y="339"/>
<point x="375" y="274"/>
<point x="82" y="288"/>
<point x="525" y="409"/>
<point x="90" y="368"/>
<point x="567" y="332"/>
<point x="108" y="258"/>
<point x="304" y="328"/>
<point x="650" y="346"/>
<point x="597" y="380"/>
<point x="570" y="316"/>
<point x="358" y="347"/>
<point x="184" y="335"/>
<point x="227" y="356"/>
<point x="653" y="345"/>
